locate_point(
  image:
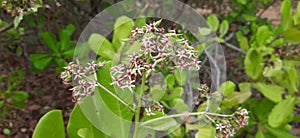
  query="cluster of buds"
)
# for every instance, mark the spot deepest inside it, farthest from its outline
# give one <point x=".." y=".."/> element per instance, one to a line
<point x="157" y="47"/>
<point x="228" y="127"/>
<point x="82" y="78"/>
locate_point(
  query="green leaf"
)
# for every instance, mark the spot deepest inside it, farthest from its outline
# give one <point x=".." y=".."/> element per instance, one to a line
<point x="181" y="76"/>
<point x="40" y="61"/>
<point x="180" y="106"/>
<point x="282" y="113"/>
<point x="79" y="121"/>
<point x="205" y="31"/>
<point x="140" y="22"/>
<point x="20" y="96"/>
<point x="259" y="134"/>
<point x="253" y="63"/>
<point x="286" y="14"/>
<point x="213" y="22"/>
<point x="170" y="80"/>
<point x="292" y="34"/>
<point x="157" y="92"/>
<point x="242" y="2"/>
<point x="245" y="87"/>
<point x="6" y="131"/>
<point x="60" y="62"/>
<point x="262" y="35"/>
<point x="18" y="20"/>
<point x="272" y="92"/>
<point x="101" y="46"/>
<point x="84" y="133"/>
<point x="113" y="117"/>
<point x="224" y="28"/>
<point x="177" y="93"/>
<point x="18" y="104"/>
<point x="161" y="125"/>
<point x="50" y="41"/>
<point x="122" y="30"/>
<point x="244" y="43"/>
<point x="207" y="131"/>
<point x="51" y="125"/>
<point x="279" y="132"/>
<point x="236" y="98"/>
<point x="65" y="36"/>
<point x="227" y="88"/>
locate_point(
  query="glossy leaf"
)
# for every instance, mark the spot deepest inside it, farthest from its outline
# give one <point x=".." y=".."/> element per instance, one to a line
<point x="282" y="113"/>
<point x="244" y="44"/>
<point x="205" y="31"/>
<point x="65" y="36"/>
<point x="262" y="35"/>
<point x="162" y="125"/>
<point x="79" y="122"/>
<point x="253" y="63"/>
<point x="227" y="88"/>
<point x="259" y="134"/>
<point x="40" y="61"/>
<point x="180" y="106"/>
<point x="181" y="76"/>
<point x="224" y="28"/>
<point x="157" y="92"/>
<point x="50" y="41"/>
<point x="207" y="131"/>
<point x="213" y="22"/>
<point x="122" y="30"/>
<point x="280" y="133"/>
<point x="51" y="125"/>
<point x="292" y="34"/>
<point x="101" y="46"/>
<point x="272" y="92"/>
<point x="20" y="96"/>
<point x="236" y="98"/>
<point x="170" y="80"/>
<point x="286" y="14"/>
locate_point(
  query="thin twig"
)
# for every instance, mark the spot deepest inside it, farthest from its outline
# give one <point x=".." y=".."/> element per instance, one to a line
<point x="184" y="114"/>
<point x="235" y="48"/>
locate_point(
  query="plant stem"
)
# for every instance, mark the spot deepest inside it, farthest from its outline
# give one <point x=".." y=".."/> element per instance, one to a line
<point x="184" y="114"/>
<point x="138" y="111"/>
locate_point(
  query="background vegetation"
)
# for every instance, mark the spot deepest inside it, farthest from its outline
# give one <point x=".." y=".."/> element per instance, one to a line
<point x="37" y="39"/>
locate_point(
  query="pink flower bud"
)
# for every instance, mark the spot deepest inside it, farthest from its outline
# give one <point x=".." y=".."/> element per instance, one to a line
<point x="32" y="3"/>
<point x="58" y="4"/>
<point x="4" y="3"/>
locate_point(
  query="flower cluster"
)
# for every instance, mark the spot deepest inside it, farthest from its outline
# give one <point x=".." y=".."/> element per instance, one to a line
<point x="82" y="78"/>
<point x="23" y="7"/>
<point x="156" y="47"/>
<point x="228" y="128"/>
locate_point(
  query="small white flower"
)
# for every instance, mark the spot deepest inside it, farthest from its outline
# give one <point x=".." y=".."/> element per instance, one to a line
<point x="91" y="66"/>
<point x="93" y="85"/>
<point x="181" y="54"/>
<point x="149" y="112"/>
<point x="78" y="74"/>
<point x="219" y="126"/>
<point x="181" y="65"/>
<point x="137" y="31"/>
